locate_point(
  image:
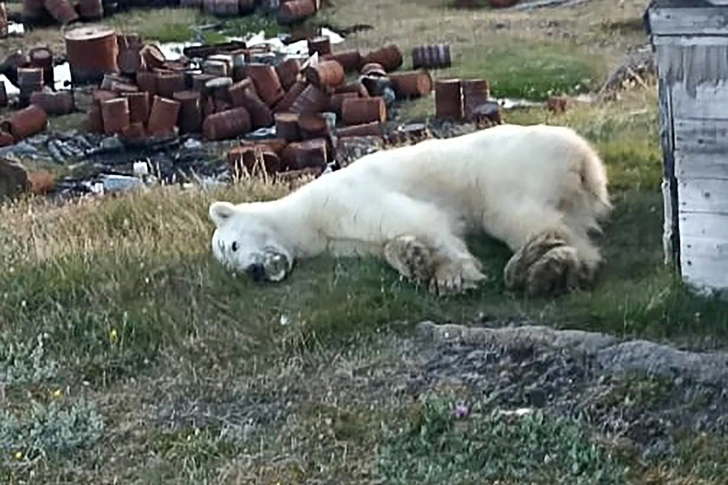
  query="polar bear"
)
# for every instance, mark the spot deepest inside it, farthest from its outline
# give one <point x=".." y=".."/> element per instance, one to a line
<point x="540" y="189"/>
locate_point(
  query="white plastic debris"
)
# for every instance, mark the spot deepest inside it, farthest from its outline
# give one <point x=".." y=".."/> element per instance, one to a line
<point x="140" y="169"/>
<point x="120" y="183"/>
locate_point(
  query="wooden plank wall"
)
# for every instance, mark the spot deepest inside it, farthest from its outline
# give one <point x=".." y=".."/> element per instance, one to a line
<point x="693" y="69"/>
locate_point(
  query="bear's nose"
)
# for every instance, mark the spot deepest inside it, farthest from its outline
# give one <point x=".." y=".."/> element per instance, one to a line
<point x="255" y="271"/>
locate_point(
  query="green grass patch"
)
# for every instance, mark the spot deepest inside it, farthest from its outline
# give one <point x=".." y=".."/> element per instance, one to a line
<point x="436" y="446"/>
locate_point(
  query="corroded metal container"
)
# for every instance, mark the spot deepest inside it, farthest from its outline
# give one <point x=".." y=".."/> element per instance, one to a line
<point x="287" y="126"/>
<point x="337" y="99"/>
<point x="367" y="129"/>
<point x="3" y="95"/>
<point x="312" y="99"/>
<point x="94" y="120"/>
<point x="33" y="11"/>
<point x="319" y="44"/>
<point x="431" y="57"/>
<point x="200" y="79"/>
<point x="147" y="81"/>
<point x="42" y="57"/>
<point x="357" y="111"/>
<point x="237" y="91"/>
<point x="253" y="159"/>
<point x="389" y="57"/>
<point x="139" y="106"/>
<point x="266" y="81"/>
<point x="56" y="103"/>
<point x="312" y="125"/>
<point x="129" y="60"/>
<point x="222" y="8"/>
<point x="306" y="154"/>
<point x="134" y="131"/>
<point x="475" y="93"/>
<point x="100" y="95"/>
<point x="91" y="10"/>
<point x="260" y="114"/>
<point x="6" y="139"/>
<point x="228" y="124"/>
<point x="25" y="122"/>
<point x="91" y="53"/>
<point x="325" y="74"/>
<point x="169" y="83"/>
<point x="412" y="83"/>
<point x="163" y="116"/>
<point x="448" y="99"/>
<point x="153" y="56"/>
<point x="288" y="71"/>
<point x="190" y="113"/>
<point x="115" y="114"/>
<point x="350" y="60"/>
<point x="290" y="97"/>
<point x="30" y="80"/>
<point x="61" y="10"/>
<point x="354" y="87"/>
<point x="295" y="11"/>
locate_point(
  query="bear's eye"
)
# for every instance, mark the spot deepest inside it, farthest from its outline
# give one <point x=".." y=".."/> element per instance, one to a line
<point x="234" y="246"/>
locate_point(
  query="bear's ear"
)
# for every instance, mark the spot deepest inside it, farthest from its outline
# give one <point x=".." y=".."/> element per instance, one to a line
<point x="220" y="212"/>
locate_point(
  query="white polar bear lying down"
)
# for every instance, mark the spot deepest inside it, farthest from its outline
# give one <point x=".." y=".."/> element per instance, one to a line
<point x="539" y="189"/>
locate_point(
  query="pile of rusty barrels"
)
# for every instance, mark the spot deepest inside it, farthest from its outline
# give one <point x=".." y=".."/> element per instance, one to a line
<point x="63" y="12"/>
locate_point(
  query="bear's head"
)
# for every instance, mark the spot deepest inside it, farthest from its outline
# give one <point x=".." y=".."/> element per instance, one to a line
<point x="245" y="241"/>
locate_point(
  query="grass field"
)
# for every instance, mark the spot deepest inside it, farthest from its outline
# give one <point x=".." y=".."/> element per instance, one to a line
<point x="127" y="355"/>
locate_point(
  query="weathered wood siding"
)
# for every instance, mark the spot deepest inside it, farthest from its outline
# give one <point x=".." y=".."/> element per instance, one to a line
<point x="691" y="46"/>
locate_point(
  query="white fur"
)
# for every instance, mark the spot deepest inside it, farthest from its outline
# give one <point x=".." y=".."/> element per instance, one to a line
<point x="510" y="181"/>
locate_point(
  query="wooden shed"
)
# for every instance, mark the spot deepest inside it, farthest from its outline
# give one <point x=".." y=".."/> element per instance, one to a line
<point x="690" y="40"/>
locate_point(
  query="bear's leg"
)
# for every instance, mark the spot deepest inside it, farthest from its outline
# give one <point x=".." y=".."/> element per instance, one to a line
<point x="442" y="261"/>
<point x="553" y="261"/>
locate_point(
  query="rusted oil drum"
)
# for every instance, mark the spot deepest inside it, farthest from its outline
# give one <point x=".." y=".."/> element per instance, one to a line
<point x="30" y="80"/>
<point x="312" y="125"/>
<point x="53" y="103"/>
<point x="266" y="82"/>
<point x="225" y="125"/>
<point x="6" y="139"/>
<point x="42" y="57"/>
<point x="94" y="121"/>
<point x="260" y="114"/>
<point x="431" y="57"/>
<point x="147" y="81"/>
<point x="61" y="10"/>
<point x="25" y="122"/>
<point x="337" y="99"/>
<point x="312" y="99"/>
<point x="353" y="87"/>
<point x="367" y="129"/>
<point x="350" y="60"/>
<point x="190" y="114"/>
<point x="169" y="83"/>
<point x="91" y="51"/>
<point x="475" y="93"/>
<point x="237" y="91"/>
<point x="115" y="113"/>
<point x="448" y="99"/>
<point x="389" y="57"/>
<point x="3" y="95"/>
<point x="326" y="73"/>
<point x="287" y="126"/>
<point x="411" y="83"/>
<point x="306" y="154"/>
<point x="139" y="106"/>
<point x="288" y="71"/>
<point x="100" y="95"/>
<point x="295" y="11"/>
<point x="134" y="131"/>
<point x="357" y="111"/>
<point x="246" y="6"/>
<point x="320" y="44"/>
<point x="91" y="10"/>
<point x="286" y="103"/>
<point x="163" y="116"/>
<point x="153" y="56"/>
<point x="253" y="158"/>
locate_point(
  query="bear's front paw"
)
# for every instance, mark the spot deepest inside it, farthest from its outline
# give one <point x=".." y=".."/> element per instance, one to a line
<point x="558" y="271"/>
<point x="455" y="278"/>
<point x="515" y="272"/>
<point x="411" y="257"/>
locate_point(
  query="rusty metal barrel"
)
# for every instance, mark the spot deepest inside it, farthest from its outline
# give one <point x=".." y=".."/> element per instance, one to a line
<point x="169" y="83"/>
<point x="3" y="95"/>
<point x="139" y="106"/>
<point x="42" y="57"/>
<point x="319" y="44"/>
<point x="56" y="103"/>
<point x="290" y="97"/>
<point x="295" y="11"/>
<point x="337" y="99"/>
<point x="25" y="122"/>
<point x="147" y="81"/>
<point x="30" y="80"/>
<point x="91" y="51"/>
<point x="311" y="99"/>
<point x="367" y="129"/>
<point x="476" y="92"/>
<point x="115" y="113"/>
<point x="350" y="60"/>
<point x="61" y="10"/>
<point x="163" y="116"/>
<point x="33" y="11"/>
<point x="389" y="57"/>
<point x="325" y="73"/>
<point x="448" y="99"/>
<point x="228" y="124"/>
<point x="190" y="114"/>
<point x="287" y="126"/>
<point x="288" y="71"/>
<point x="431" y="57"/>
<point x="221" y="8"/>
<point x="357" y="111"/>
<point x="266" y="82"/>
<point x="411" y="83"/>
